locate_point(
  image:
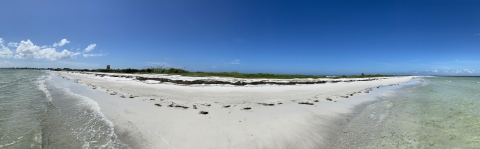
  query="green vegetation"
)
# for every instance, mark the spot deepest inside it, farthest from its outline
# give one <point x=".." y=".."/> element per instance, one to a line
<point x="245" y="75"/>
<point x="269" y="76"/>
<point x="183" y="72"/>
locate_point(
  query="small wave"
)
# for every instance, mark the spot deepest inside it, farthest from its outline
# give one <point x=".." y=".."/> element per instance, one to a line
<point x="98" y="115"/>
<point x="8" y="144"/>
<point x="41" y="86"/>
<point x="91" y="128"/>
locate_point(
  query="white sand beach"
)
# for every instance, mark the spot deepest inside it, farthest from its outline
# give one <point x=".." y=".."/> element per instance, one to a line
<point x="167" y="115"/>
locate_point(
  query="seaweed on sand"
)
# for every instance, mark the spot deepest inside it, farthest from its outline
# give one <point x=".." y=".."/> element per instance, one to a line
<point x="305" y="103"/>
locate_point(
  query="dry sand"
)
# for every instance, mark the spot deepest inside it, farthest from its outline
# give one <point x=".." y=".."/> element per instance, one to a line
<point x="275" y="120"/>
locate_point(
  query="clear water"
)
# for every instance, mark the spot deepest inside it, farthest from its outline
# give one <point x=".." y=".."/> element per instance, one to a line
<point x="22" y="108"/>
<point x="441" y="112"/>
<point x="35" y="113"/>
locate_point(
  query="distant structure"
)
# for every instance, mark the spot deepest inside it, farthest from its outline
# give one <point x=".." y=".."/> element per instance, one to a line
<point x="108" y="67"/>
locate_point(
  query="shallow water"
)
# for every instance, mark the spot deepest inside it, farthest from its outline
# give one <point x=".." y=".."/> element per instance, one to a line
<point x="36" y="112"/>
<point x="441" y="112"/>
<point x="22" y="107"/>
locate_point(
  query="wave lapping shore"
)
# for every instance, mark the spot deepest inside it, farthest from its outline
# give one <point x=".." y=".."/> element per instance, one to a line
<point x="148" y="113"/>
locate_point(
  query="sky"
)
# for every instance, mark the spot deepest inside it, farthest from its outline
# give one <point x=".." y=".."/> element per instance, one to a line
<point x="338" y="37"/>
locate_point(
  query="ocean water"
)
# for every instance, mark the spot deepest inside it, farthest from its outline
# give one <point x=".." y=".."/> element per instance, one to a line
<point x="37" y="113"/>
<point x="37" y="110"/>
<point x="438" y="112"/>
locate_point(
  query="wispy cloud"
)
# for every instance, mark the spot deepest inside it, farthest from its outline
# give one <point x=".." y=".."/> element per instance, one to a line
<point x="94" y="55"/>
<point x="235" y="62"/>
<point x="61" y="63"/>
<point x="5" y="63"/>
<point x="469" y="71"/>
<point x="13" y="44"/>
<point x="164" y="64"/>
<point x="61" y="43"/>
<point x="90" y="47"/>
<point x="445" y="72"/>
<point x="5" y="52"/>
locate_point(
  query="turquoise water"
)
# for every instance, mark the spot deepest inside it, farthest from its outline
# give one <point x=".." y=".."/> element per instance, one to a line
<point x="440" y="112"/>
<point x="36" y="113"/>
<point x="445" y="112"/>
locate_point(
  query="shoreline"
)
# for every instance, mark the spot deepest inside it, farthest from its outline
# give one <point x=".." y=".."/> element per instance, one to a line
<point x="229" y="124"/>
<point x="373" y="109"/>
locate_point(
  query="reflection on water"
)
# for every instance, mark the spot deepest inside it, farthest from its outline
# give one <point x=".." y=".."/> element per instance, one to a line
<point x="444" y="112"/>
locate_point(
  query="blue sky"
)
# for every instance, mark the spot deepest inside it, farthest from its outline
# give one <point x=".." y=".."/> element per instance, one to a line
<point x="288" y="37"/>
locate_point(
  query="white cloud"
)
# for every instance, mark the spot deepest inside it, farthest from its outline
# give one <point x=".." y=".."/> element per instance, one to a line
<point x="61" y="43"/>
<point x="52" y="54"/>
<point x="90" y="47"/>
<point x="26" y="49"/>
<point x="234" y="62"/>
<point x="93" y="55"/>
<point x="5" y="52"/>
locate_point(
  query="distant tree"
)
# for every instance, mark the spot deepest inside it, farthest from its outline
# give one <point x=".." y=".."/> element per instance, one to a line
<point x="149" y="70"/>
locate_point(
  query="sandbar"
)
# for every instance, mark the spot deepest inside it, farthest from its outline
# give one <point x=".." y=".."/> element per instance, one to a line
<point x="155" y="114"/>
